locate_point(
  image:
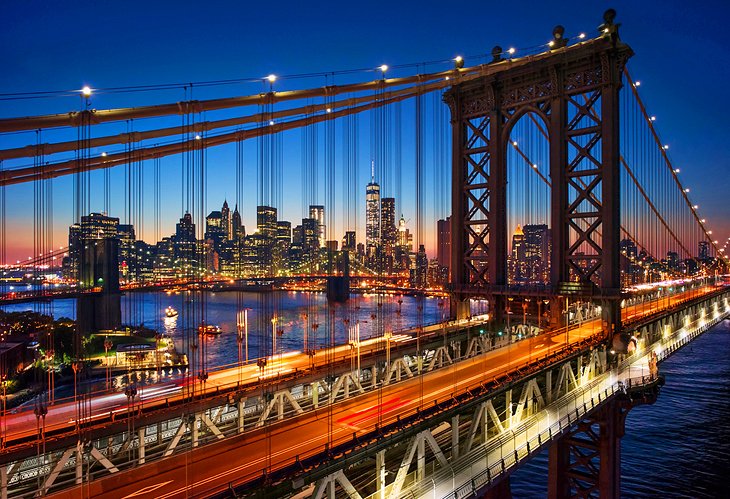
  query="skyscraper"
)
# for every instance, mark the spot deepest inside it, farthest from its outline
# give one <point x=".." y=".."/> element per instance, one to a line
<point x="388" y="230"/>
<point x="316" y="212"/>
<point x="283" y="231"/>
<point x="266" y="221"/>
<point x="372" y="218"/>
<point x="537" y="252"/>
<point x="238" y="231"/>
<point x="310" y="236"/>
<point x="348" y="242"/>
<point x="226" y="222"/>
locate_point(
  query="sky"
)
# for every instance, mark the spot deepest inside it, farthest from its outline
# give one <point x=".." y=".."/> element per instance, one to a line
<point x="682" y="59"/>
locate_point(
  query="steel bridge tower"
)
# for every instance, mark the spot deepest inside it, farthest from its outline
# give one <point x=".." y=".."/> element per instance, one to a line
<point x="575" y="93"/>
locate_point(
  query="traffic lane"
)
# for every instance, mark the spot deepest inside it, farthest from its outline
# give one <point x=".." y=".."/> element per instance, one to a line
<point x="21" y="425"/>
<point x="215" y="465"/>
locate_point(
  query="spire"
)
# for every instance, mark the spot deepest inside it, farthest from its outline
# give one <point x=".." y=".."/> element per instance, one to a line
<point x="225" y="204"/>
<point x="235" y="210"/>
<point x="518" y="231"/>
<point x="372" y="171"/>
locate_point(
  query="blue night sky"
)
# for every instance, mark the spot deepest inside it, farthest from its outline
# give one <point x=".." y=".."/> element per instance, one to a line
<point x="682" y="59"/>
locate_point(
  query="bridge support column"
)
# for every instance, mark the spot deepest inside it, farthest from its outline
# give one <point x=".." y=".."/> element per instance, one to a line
<point x="460" y="308"/>
<point x="380" y="474"/>
<point x="455" y="437"/>
<point x="588" y="457"/>
<point x="502" y="490"/>
<point x="241" y="414"/>
<point x="140" y="436"/>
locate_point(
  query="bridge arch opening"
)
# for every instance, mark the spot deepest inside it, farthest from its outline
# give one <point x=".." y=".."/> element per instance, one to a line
<point x="528" y="217"/>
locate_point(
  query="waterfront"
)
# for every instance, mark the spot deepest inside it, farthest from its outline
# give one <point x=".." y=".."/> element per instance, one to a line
<point x="295" y="312"/>
<point x="680" y="446"/>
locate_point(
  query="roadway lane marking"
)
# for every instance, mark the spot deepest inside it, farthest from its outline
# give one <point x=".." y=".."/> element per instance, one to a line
<point x="147" y="490"/>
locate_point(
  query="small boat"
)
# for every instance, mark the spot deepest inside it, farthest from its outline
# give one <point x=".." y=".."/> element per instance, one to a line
<point x="170" y="312"/>
<point x="209" y="330"/>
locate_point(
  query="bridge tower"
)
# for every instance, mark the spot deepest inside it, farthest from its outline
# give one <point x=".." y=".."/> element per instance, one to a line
<point x="338" y="280"/>
<point x="99" y="304"/>
<point x="574" y="91"/>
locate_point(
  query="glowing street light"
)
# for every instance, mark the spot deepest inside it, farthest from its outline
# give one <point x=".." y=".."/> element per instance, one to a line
<point x="86" y="91"/>
<point x="511" y="50"/>
<point x="271" y="78"/>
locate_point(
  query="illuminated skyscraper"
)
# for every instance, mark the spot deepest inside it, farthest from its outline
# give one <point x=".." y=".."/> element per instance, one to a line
<point x="316" y="212"/>
<point x="388" y="230"/>
<point x="372" y="218"/>
<point x="348" y="242"/>
<point x="226" y="222"/>
<point x="266" y="221"/>
<point x="238" y="231"/>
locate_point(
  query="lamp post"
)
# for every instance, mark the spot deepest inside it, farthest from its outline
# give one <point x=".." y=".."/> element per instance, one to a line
<point x="107" y="346"/>
<point x="567" y="320"/>
<point x="273" y="336"/>
<point x="509" y="330"/>
<point x="3" y="380"/>
<point x="387" y="335"/>
<point x="242" y="330"/>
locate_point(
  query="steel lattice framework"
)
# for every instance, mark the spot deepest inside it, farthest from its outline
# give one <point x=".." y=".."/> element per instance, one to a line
<point x="575" y="94"/>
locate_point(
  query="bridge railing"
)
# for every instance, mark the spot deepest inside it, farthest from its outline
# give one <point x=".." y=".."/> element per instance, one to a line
<point x="488" y="463"/>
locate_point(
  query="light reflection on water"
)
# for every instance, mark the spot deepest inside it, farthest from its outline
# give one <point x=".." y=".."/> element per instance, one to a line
<point x="294" y="310"/>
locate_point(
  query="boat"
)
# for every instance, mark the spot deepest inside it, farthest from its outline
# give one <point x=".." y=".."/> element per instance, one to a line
<point x="170" y="312"/>
<point x="209" y="330"/>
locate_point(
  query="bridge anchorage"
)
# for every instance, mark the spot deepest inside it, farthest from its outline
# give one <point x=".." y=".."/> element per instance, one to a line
<point x="449" y="409"/>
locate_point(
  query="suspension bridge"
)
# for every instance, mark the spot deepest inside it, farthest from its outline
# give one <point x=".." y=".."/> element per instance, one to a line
<point x="573" y="259"/>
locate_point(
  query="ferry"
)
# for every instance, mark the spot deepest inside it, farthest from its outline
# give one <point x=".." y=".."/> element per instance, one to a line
<point x="170" y="312"/>
<point x="209" y="330"/>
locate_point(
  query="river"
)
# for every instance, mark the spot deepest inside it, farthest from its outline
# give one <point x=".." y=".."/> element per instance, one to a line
<point x="678" y="447"/>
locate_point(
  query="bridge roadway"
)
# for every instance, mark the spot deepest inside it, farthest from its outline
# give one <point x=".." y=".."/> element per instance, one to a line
<point x="22" y="424"/>
<point x="62" y="415"/>
<point x="211" y="468"/>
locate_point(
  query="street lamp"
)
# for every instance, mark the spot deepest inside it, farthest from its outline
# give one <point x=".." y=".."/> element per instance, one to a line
<point x="388" y="334"/>
<point x="509" y="330"/>
<point x="355" y="343"/>
<point x="273" y="336"/>
<point x="107" y="346"/>
<point x="242" y="330"/>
